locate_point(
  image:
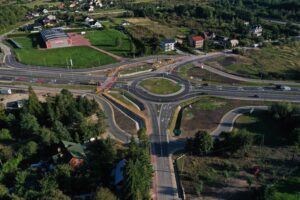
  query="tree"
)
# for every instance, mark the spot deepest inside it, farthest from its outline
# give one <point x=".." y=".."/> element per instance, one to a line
<point x="60" y="131"/>
<point x="3" y="191"/>
<point x="5" y="135"/>
<point x="104" y="194"/>
<point x="33" y="106"/>
<point x="201" y="144"/>
<point x="29" y="149"/>
<point x="296" y="136"/>
<point x="205" y="46"/>
<point x="29" y="124"/>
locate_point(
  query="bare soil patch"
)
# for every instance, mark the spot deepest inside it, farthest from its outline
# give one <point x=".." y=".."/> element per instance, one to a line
<point x="124" y="122"/>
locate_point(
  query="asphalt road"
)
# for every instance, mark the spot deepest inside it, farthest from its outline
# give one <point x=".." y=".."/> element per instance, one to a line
<point x="165" y="187"/>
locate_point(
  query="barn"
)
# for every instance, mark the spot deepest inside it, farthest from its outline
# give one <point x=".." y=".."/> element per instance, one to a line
<point x="55" y="38"/>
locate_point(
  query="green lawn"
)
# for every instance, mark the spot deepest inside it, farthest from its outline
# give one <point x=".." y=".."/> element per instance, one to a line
<point x="107" y="39"/>
<point x="160" y="86"/>
<point x="262" y="123"/>
<point x="82" y="57"/>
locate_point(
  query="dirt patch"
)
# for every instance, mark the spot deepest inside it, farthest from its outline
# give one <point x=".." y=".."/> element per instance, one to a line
<point x="206" y="76"/>
<point x="124" y="122"/>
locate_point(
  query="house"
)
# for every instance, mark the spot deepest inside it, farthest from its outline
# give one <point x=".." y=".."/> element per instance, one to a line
<point x="118" y="172"/>
<point x="45" y="11"/>
<point x="256" y="30"/>
<point x="234" y="42"/>
<point x="180" y="39"/>
<point x="5" y="91"/>
<point x="125" y="23"/>
<point x="222" y="40"/>
<point x="196" y="41"/>
<point x="168" y="45"/>
<point x="209" y="35"/>
<point x="95" y="24"/>
<point x="49" y="20"/>
<point x="71" y="152"/>
<point x="91" y="9"/>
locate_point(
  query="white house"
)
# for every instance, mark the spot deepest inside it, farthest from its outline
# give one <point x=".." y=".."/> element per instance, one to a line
<point x="234" y="43"/>
<point x="168" y="45"/>
<point x="95" y="24"/>
<point x="256" y="30"/>
<point x="45" y="11"/>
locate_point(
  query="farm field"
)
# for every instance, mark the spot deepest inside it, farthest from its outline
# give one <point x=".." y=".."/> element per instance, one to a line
<point x="82" y="57"/>
<point x="111" y="40"/>
<point x="160" y="86"/>
<point x="274" y="62"/>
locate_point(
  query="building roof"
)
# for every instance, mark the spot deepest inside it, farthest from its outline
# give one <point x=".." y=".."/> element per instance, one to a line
<point x="168" y="41"/>
<point x="118" y="172"/>
<point x="50" y="34"/>
<point x="75" y="149"/>
<point x="197" y="38"/>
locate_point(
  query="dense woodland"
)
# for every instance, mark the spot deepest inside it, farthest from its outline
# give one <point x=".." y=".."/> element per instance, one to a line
<point x="32" y="134"/>
<point x="11" y="14"/>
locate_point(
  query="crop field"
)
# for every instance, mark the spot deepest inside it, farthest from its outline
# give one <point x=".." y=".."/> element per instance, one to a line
<point x="111" y="40"/>
<point x="82" y="57"/>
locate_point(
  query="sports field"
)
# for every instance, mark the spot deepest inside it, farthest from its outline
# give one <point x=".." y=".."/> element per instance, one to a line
<point x="111" y="40"/>
<point x="82" y="57"/>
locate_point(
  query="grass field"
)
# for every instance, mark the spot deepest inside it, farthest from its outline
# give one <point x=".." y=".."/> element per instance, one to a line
<point x="205" y="113"/>
<point x="111" y="40"/>
<point x="82" y="57"/>
<point x="274" y="62"/>
<point x="288" y="189"/>
<point x="160" y="86"/>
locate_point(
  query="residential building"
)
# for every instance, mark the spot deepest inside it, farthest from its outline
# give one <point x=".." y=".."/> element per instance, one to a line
<point x="256" y="30"/>
<point x="71" y="152"/>
<point x="209" y="35"/>
<point x="118" y="172"/>
<point x="234" y="43"/>
<point x="196" y="41"/>
<point x="168" y="45"/>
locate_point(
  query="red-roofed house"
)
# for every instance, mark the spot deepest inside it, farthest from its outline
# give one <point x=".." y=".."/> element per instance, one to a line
<point x="196" y="41"/>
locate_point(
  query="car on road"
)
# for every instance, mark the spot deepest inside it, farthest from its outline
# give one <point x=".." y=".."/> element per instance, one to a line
<point x="255" y="96"/>
<point x="283" y="88"/>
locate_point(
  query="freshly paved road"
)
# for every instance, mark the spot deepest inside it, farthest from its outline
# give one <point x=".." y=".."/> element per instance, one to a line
<point x="165" y="187"/>
<point x="227" y="122"/>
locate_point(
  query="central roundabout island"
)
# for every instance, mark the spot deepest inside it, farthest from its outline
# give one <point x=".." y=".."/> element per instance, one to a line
<point x="160" y="86"/>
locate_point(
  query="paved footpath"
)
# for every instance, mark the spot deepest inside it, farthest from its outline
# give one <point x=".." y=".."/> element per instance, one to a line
<point x="227" y="122"/>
